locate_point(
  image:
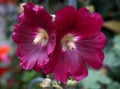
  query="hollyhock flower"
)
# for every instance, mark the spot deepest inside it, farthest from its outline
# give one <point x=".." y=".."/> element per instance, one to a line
<point x="79" y="42"/>
<point x="34" y="36"/>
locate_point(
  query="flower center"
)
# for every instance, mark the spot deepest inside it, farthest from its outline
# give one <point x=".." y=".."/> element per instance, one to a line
<point x="42" y="37"/>
<point x="68" y="42"/>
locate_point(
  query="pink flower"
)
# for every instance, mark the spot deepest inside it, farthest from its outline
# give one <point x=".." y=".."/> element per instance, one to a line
<point x="34" y="36"/>
<point x="4" y="54"/>
<point x="79" y="42"/>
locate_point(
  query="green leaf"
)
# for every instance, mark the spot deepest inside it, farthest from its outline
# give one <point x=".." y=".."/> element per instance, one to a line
<point x="113" y="85"/>
<point x="111" y="59"/>
<point x="29" y="75"/>
<point x="116" y="39"/>
<point x="94" y="79"/>
<point x="116" y="46"/>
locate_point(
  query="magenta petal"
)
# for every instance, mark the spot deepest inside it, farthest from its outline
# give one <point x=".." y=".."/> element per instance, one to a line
<point x="36" y="16"/>
<point x="21" y="18"/>
<point x="88" y="24"/>
<point x="93" y="60"/>
<point x="80" y="73"/>
<point x="91" y="50"/>
<point x="51" y="44"/>
<point x="101" y="55"/>
<point x="23" y="34"/>
<point x="28" y="61"/>
<point x="46" y="20"/>
<point x="39" y="64"/>
<point x="61" y="70"/>
<point x="62" y="64"/>
<point x="30" y="12"/>
<point x="37" y="67"/>
<point x="31" y="56"/>
<point x="65" y="18"/>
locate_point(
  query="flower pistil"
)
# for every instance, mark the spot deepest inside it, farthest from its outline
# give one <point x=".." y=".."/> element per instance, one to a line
<point x="42" y="37"/>
<point x="68" y="42"/>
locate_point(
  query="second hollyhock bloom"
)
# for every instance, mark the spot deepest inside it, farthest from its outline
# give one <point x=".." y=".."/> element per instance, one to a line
<point x="79" y="42"/>
<point x="34" y="36"/>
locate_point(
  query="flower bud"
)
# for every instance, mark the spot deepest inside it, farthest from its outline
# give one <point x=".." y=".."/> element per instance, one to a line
<point x="46" y="83"/>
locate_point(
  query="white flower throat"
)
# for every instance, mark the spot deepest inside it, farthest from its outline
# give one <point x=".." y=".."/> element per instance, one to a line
<point x="68" y="42"/>
<point x="42" y="38"/>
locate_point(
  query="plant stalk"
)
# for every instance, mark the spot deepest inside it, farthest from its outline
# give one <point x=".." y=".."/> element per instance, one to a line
<point x="73" y="3"/>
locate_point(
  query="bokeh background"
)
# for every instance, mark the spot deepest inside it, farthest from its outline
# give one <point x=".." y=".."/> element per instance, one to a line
<point x="12" y="76"/>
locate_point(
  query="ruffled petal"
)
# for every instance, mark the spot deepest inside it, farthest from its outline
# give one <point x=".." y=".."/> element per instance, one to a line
<point x="79" y="73"/>
<point x="52" y="43"/>
<point x="101" y="54"/>
<point x="91" y="50"/>
<point x="45" y="19"/>
<point x="21" y="18"/>
<point x="35" y="16"/>
<point x="88" y="24"/>
<point x="65" y="18"/>
<point x="31" y="55"/>
<point x="23" y="34"/>
<point x="29" y="16"/>
<point x="62" y="64"/>
<point x="28" y="61"/>
<point x="30" y="12"/>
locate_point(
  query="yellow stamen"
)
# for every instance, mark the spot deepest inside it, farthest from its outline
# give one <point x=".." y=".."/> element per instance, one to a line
<point x="68" y="42"/>
<point x="42" y="38"/>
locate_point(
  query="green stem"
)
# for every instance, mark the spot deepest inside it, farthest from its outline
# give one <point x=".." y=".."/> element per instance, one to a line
<point x="73" y="3"/>
<point x="63" y="85"/>
<point x="47" y="4"/>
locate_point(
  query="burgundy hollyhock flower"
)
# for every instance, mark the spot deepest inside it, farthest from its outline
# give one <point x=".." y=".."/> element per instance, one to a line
<point x="34" y="36"/>
<point x="79" y="42"/>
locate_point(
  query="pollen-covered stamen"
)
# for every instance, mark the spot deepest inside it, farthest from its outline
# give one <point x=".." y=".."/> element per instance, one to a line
<point x="53" y="17"/>
<point x="68" y="42"/>
<point x="42" y="37"/>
